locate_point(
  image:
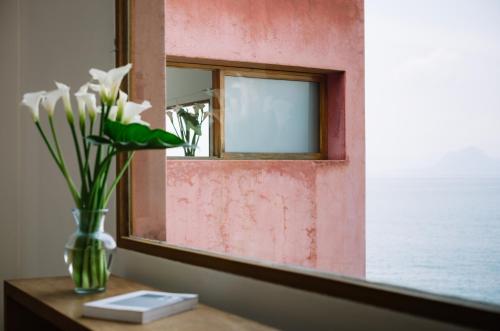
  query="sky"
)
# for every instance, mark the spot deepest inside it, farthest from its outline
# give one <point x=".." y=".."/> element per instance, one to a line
<point x="432" y="81"/>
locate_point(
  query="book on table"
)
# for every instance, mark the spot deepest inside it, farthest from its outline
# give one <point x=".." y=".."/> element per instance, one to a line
<point x="140" y="306"/>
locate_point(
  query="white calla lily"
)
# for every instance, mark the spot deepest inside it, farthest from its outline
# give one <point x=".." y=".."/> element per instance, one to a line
<point x="132" y="111"/>
<point x="109" y="82"/>
<point x="89" y="104"/>
<point x="49" y="101"/>
<point x="170" y="115"/>
<point x="84" y="88"/>
<point x="64" y="89"/>
<point x="94" y="87"/>
<point x="91" y="153"/>
<point x="32" y="101"/>
<point x="139" y="120"/>
<point x="113" y="111"/>
<point x="90" y="101"/>
<point x="80" y="101"/>
<point x="122" y="100"/>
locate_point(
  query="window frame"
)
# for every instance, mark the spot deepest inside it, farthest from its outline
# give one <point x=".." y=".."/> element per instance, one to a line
<point x="452" y="310"/>
<point x="221" y="69"/>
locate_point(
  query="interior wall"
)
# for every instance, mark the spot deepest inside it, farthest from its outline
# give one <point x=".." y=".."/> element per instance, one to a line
<point x="59" y="39"/>
<point x="42" y="41"/>
<point x="9" y="123"/>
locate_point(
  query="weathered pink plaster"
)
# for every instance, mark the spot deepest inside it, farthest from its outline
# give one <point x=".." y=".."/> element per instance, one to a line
<point x="325" y="34"/>
<point x="284" y="211"/>
<point x="307" y="213"/>
<point x="147" y="82"/>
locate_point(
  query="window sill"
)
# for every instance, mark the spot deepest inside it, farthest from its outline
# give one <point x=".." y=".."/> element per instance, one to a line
<point x="212" y="158"/>
<point x="446" y="309"/>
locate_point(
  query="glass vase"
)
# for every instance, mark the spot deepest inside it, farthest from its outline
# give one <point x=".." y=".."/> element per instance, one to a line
<point x="89" y="251"/>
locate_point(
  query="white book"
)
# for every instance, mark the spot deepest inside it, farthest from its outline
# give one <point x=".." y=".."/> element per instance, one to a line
<point x="140" y="306"/>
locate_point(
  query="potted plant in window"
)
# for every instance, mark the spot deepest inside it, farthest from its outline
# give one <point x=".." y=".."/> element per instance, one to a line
<point x="99" y="133"/>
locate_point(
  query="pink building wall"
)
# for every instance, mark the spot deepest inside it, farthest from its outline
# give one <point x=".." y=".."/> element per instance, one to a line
<point x="147" y="82"/>
<point x="301" y="212"/>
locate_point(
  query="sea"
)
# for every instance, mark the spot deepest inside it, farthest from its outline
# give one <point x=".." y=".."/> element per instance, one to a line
<point x="439" y="235"/>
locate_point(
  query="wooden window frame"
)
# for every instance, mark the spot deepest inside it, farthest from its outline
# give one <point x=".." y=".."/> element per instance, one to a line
<point x="220" y="71"/>
<point x="425" y="305"/>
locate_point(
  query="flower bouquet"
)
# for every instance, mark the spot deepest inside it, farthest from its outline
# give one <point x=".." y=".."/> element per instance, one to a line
<point x="101" y="131"/>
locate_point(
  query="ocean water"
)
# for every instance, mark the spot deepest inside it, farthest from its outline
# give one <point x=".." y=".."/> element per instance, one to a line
<point x="437" y="235"/>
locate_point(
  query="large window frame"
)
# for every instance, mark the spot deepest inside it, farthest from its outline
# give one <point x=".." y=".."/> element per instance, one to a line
<point x="221" y="70"/>
<point x="441" y="308"/>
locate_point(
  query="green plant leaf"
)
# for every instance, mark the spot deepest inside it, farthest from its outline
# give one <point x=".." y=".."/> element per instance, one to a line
<point x="129" y="137"/>
<point x="98" y="140"/>
<point x="190" y="120"/>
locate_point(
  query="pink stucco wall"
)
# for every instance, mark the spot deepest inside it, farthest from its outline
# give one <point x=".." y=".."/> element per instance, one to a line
<point x="308" y="213"/>
<point x="147" y="82"/>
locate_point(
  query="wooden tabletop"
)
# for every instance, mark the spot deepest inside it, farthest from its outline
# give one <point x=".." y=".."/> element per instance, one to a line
<point x="54" y="299"/>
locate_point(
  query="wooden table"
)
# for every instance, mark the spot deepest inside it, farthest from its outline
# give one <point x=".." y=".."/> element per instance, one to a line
<point x="51" y="304"/>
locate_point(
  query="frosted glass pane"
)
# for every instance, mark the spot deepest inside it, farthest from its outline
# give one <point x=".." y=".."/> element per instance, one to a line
<point x="271" y="116"/>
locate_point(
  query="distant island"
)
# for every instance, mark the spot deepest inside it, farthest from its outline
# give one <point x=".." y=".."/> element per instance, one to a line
<point x="468" y="162"/>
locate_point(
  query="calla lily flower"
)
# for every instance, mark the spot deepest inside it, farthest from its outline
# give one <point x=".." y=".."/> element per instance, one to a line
<point x="170" y="115"/>
<point x="122" y="100"/>
<point x="128" y="112"/>
<point x="50" y="100"/>
<point x="132" y="111"/>
<point x="137" y="119"/>
<point x="113" y="134"/>
<point x="80" y="101"/>
<point x="64" y="89"/>
<point x="109" y="82"/>
<point x="32" y="101"/>
<point x="87" y="102"/>
<point x="113" y="111"/>
<point x="94" y="87"/>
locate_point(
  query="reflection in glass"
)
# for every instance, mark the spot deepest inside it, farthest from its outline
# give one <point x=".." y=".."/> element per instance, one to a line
<point x="188" y="94"/>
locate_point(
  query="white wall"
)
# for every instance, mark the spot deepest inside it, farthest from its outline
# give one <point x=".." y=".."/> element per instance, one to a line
<point x="41" y="41"/>
<point x="61" y="39"/>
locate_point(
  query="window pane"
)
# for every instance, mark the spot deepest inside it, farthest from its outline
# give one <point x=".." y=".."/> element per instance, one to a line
<point x="188" y="88"/>
<point x="427" y="100"/>
<point x="271" y="116"/>
<point x="432" y="132"/>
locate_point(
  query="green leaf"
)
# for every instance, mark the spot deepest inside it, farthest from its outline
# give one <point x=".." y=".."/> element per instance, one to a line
<point x="129" y="137"/>
<point x="98" y="140"/>
<point x="191" y="121"/>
